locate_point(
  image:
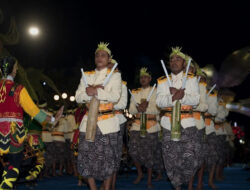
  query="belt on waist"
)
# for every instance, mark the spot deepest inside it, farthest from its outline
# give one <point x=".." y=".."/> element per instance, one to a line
<point x="149" y="116"/>
<point x="218" y="123"/>
<point x="153" y="119"/>
<point x="105" y="112"/>
<point x="57" y="135"/>
<point x="209" y="116"/>
<point x="184" y="114"/>
<point x="163" y="112"/>
<point x="118" y="111"/>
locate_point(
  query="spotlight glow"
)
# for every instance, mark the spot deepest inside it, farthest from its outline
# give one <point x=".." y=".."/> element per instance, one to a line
<point x="34" y="31"/>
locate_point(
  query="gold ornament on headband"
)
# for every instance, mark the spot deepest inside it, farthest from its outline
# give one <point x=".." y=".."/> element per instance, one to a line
<point x="177" y="51"/>
<point x="144" y="72"/>
<point x="103" y="46"/>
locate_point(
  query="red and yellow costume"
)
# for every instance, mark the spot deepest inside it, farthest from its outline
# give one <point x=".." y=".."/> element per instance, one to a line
<point x="14" y="100"/>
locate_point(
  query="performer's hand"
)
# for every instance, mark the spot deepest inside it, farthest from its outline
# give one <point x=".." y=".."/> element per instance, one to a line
<point x="139" y="108"/>
<point x="91" y="91"/>
<point x="178" y="95"/>
<point x="99" y="86"/>
<point x="173" y="90"/>
<point x="144" y="106"/>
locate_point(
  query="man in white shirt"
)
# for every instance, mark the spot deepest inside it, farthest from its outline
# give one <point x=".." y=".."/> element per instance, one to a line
<point x="97" y="160"/>
<point x="144" y="139"/>
<point x="179" y="149"/>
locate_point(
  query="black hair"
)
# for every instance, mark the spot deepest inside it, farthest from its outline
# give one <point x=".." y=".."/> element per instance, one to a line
<point x="6" y="65"/>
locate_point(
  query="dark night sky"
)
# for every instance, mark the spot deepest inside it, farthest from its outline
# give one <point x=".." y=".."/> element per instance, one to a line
<point x="140" y="34"/>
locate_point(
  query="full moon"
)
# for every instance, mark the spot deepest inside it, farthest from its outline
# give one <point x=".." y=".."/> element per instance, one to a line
<point x="33" y="31"/>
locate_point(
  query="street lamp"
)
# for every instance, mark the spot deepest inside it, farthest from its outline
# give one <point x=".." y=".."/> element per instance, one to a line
<point x="56" y="97"/>
<point x="34" y="31"/>
<point x="64" y="95"/>
<point x="72" y="98"/>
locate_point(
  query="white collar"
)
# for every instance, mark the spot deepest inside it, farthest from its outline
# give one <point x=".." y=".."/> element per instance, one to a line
<point x="104" y="70"/>
<point x="146" y="88"/>
<point x="178" y="76"/>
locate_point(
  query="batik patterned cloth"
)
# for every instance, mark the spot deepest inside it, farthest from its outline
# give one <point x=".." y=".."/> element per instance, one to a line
<point x="142" y="149"/>
<point x="202" y="143"/>
<point x="221" y="149"/>
<point x="158" y="163"/>
<point x="120" y="144"/>
<point x="59" y="152"/>
<point x="212" y="157"/>
<point x="49" y="154"/>
<point x="181" y="158"/>
<point x="98" y="159"/>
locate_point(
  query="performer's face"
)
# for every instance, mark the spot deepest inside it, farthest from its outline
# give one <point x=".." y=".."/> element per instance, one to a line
<point x="110" y="65"/>
<point x="102" y="59"/>
<point x="191" y="69"/>
<point x="145" y="81"/>
<point x="176" y="64"/>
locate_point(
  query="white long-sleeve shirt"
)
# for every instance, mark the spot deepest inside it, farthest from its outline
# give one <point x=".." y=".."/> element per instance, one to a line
<point x="220" y="117"/>
<point x="191" y="97"/>
<point x="122" y="103"/>
<point x="202" y="107"/>
<point x="110" y="94"/>
<point x="212" y="109"/>
<point x="152" y="109"/>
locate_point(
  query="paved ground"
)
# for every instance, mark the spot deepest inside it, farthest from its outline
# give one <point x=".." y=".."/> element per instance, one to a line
<point x="235" y="179"/>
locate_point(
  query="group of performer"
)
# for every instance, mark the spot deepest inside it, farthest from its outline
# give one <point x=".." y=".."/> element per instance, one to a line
<point x="179" y="126"/>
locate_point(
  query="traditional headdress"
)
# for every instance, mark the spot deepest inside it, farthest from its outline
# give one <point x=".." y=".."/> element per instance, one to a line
<point x="103" y="46"/>
<point x="113" y="61"/>
<point x="177" y="51"/>
<point x="144" y="72"/>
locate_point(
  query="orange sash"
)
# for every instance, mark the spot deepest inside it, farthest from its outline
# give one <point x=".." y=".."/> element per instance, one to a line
<point x="183" y="115"/>
<point x="197" y="115"/>
<point x="105" y="107"/>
